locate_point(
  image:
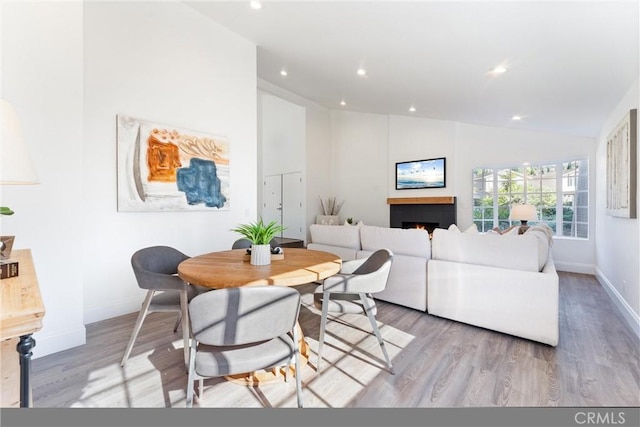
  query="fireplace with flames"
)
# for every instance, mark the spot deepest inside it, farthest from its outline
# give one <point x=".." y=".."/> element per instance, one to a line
<point x="428" y="226"/>
<point x="428" y="216"/>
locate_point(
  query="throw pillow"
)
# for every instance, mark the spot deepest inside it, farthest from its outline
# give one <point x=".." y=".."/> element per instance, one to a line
<point x="542" y="228"/>
<point x="512" y="231"/>
<point x="505" y="231"/>
<point x="473" y="229"/>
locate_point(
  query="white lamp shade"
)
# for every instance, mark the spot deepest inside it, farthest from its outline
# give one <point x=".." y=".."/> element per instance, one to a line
<point x="523" y="213"/>
<point x="15" y="163"/>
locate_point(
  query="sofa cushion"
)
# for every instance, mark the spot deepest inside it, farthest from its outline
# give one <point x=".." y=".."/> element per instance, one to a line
<point x="413" y="242"/>
<point x="336" y="235"/>
<point x="518" y="252"/>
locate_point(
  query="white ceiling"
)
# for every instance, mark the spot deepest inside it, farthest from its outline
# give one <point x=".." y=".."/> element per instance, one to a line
<point x="569" y="63"/>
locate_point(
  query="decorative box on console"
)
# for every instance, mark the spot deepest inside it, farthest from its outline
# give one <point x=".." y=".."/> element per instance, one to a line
<point x="328" y="219"/>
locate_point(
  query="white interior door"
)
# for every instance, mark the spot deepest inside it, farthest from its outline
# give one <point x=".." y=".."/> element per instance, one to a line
<point x="272" y="199"/>
<point x="293" y="215"/>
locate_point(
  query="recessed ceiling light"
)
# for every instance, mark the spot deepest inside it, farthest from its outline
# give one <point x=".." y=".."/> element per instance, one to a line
<point x="343" y="103"/>
<point x="516" y="117"/>
<point x="362" y="72"/>
<point x="412" y="109"/>
<point x="255" y="5"/>
<point x="499" y="69"/>
<point x="283" y="73"/>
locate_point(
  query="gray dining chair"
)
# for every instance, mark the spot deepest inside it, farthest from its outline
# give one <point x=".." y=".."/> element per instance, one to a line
<point x="251" y="328"/>
<point x="350" y="291"/>
<point x="155" y="269"/>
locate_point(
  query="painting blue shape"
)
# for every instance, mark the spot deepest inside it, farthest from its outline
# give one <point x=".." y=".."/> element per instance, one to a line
<point x="200" y="183"/>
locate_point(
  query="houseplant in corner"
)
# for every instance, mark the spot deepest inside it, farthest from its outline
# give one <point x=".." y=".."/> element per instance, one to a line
<point x="260" y="235"/>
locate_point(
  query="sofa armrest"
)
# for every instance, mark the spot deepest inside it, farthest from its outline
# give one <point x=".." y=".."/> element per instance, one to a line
<point x="516" y="302"/>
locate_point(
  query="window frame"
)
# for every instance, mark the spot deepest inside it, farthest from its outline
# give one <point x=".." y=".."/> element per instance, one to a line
<point x="581" y="222"/>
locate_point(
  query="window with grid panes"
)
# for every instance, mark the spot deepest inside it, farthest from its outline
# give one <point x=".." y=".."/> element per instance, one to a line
<point x="558" y="190"/>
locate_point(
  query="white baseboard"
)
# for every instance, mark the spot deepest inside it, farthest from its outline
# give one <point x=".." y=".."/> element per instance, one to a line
<point x="632" y="319"/>
<point x="113" y="309"/>
<point x="575" y="267"/>
<point x="49" y="344"/>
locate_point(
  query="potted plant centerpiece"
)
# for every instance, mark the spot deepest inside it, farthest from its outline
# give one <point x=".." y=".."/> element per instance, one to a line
<point x="260" y="235"/>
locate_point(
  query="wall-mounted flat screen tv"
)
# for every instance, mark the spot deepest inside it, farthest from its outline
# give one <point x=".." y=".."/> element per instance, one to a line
<point x="429" y="173"/>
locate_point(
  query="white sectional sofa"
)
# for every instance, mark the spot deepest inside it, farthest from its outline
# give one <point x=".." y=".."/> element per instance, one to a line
<point x="507" y="283"/>
<point x="411" y="249"/>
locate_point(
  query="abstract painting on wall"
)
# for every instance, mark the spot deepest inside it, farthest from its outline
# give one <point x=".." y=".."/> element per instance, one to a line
<point x="165" y="168"/>
<point x="621" y="167"/>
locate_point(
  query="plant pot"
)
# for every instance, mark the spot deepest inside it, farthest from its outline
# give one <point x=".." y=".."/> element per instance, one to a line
<point x="260" y="254"/>
<point x="328" y="219"/>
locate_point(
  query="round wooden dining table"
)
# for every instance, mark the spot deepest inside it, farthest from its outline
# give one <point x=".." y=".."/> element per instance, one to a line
<point x="232" y="268"/>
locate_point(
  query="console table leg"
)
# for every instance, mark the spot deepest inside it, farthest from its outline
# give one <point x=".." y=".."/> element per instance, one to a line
<point x="24" y="347"/>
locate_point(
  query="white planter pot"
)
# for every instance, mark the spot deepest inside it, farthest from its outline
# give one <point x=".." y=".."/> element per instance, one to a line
<point x="328" y="219"/>
<point x="260" y="254"/>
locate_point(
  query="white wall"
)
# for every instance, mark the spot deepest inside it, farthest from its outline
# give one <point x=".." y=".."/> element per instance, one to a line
<point x="42" y="56"/>
<point x="169" y="64"/>
<point x="359" y="165"/>
<point x="282" y="135"/>
<point x="69" y="68"/>
<point x="413" y="138"/>
<point x="317" y="147"/>
<point x="618" y="263"/>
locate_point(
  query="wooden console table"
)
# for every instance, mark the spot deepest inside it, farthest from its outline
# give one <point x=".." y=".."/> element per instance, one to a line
<point x="287" y="242"/>
<point x="22" y="312"/>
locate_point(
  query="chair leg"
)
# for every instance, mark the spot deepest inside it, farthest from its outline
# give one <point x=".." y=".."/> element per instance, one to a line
<point x="323" y="325"/>
<point x="184" y="307"/>
<point x="175" y="327"/>
<point x="296" y="355"/>
<point x="190" y="377"/>
<point x="376" y="331"/>
<point x="143" y="313"/>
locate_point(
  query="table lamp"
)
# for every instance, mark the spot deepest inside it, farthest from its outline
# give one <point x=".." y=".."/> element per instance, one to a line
<point x="15" y="164"/>
<point x="523" y="213"/>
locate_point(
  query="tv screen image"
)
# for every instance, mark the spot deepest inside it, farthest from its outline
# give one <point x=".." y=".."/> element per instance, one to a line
<point x="429" y="173"/>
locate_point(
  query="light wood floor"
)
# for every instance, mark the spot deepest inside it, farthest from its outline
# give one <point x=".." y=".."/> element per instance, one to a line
<point x="438" y="363"/>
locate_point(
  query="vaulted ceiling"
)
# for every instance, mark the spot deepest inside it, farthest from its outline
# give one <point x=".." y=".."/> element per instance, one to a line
<point x="567" y="63"/>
